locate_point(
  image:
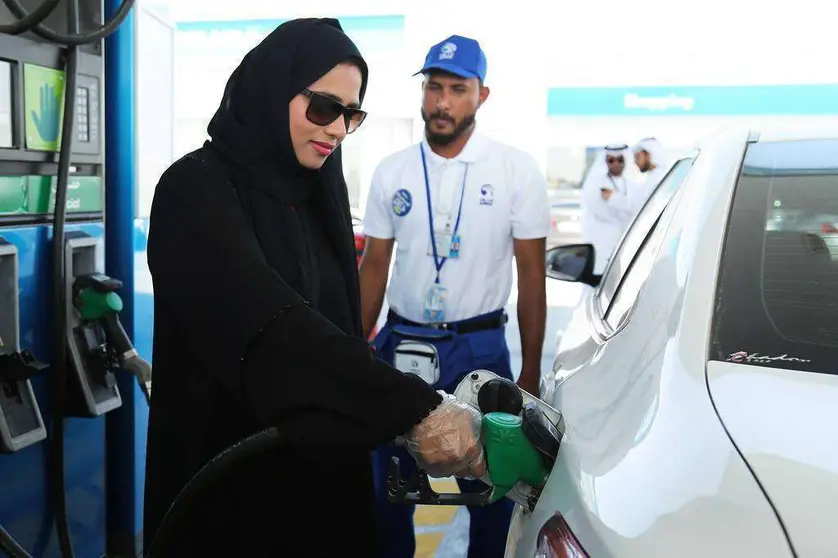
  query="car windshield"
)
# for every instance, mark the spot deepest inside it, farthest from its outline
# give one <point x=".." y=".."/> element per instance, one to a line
<point x="777" y="295"/>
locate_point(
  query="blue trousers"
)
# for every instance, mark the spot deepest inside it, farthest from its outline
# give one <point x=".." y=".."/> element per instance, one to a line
<point x="458" y="355"/>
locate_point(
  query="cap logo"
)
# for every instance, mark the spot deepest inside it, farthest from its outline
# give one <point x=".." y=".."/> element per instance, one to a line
<point x="447" y="51"/>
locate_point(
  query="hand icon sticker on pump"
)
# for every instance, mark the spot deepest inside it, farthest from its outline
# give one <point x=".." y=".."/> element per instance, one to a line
<point x="47" y="121"/>
<point x="44" y="98"/>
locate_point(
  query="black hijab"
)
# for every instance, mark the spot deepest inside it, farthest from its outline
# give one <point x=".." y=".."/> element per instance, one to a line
<point x="250" y="132"/>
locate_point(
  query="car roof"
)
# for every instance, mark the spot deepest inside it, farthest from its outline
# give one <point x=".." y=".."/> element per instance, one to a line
<point x="794" y="132"/>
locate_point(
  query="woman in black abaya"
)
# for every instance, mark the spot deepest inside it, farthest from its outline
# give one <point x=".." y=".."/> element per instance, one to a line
<point x="257" y="320"/>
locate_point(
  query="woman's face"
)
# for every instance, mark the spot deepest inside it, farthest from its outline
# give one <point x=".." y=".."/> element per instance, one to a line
<point x="314" y="143"/>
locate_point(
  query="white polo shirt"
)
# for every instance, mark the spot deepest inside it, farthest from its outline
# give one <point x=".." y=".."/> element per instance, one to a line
<point x="504" y="197"/>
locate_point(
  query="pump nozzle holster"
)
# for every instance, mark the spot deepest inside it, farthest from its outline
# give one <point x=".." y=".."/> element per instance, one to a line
<point x="95" y="296"/>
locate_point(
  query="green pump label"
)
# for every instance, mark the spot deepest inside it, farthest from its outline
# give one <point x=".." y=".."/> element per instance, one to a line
<point x="43" y="101"/>
<point x="14" y="195"/>
<point x="36" y="194"/>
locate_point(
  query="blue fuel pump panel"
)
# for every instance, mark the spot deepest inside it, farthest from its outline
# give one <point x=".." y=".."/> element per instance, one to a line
<point x="31" y="109"/>
<point x="103" y="470"/>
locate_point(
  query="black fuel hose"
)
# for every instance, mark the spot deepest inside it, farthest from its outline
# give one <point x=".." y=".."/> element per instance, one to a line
<point x="208" y="476"/>
<point x="27" y="23"/>
<point x="74" y="37"/>
<point x="58" y="372"/>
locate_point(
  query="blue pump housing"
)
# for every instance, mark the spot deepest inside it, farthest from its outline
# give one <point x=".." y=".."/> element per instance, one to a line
<point x="104" y="456"/>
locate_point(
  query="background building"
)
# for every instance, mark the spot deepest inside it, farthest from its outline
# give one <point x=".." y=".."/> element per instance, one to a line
<point x="564" y="78"/>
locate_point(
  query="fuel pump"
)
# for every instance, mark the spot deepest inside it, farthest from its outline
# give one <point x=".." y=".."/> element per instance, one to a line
<point x="88" y="343"/>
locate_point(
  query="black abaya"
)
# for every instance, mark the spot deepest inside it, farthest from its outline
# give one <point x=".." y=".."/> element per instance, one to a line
<point x="257" y="324"/>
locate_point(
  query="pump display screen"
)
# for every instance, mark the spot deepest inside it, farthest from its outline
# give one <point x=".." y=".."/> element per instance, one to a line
<point x="5" y="104"/>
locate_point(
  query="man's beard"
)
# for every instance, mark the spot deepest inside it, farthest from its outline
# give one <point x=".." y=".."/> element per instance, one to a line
<point x="446" y="139"/>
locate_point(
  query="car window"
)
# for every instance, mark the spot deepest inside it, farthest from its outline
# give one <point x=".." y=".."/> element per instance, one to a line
<point x="639" y="270"/>
<point x="777" y="292"/>
<point x="639" y="230"/>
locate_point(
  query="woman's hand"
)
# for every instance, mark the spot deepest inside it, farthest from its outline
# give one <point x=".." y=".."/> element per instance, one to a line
<point x="448" y="441"/>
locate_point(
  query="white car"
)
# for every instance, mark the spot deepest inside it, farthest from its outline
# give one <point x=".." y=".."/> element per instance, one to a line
<point x="698" y="377"/>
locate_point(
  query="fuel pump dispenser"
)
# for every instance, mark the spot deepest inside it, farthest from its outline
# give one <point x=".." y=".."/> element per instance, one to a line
<point x="54" y="302"/>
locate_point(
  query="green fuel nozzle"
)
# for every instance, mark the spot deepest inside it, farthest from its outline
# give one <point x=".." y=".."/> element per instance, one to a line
<point x="510" y="456"/>
<point x="520" y="444"/>
<point x="96" y="299"/>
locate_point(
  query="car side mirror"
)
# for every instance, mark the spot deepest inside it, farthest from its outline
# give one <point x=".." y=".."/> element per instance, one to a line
<point x="573" y="263"/>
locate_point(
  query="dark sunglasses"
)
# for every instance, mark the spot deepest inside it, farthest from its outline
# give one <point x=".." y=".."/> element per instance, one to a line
<point x="323" y="110"/>
<point x="615" y="160"/>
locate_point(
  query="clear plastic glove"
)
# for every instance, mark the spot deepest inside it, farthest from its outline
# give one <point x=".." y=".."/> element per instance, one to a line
<point x="448" y="441"/>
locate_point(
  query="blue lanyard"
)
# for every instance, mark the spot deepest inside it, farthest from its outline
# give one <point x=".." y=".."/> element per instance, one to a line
<point x="437" y="261"/>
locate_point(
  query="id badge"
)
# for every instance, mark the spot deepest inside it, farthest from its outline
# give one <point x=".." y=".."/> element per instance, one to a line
<point x="435" y="304"/>
<point x="454" y="250"/>
<point x="447" y="245"/>
<point x="421" y="359"/>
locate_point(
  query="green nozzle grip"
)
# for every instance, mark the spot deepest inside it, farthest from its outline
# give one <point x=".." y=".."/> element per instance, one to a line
<point x="509" y="455"/>
<point x="95" y="305"/>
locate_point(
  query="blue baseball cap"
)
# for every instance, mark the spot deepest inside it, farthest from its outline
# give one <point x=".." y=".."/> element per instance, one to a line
<point x="458" y="55"/>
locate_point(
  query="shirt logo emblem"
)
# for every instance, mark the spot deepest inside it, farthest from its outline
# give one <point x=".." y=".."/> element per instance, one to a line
<point x="447" y="51"/>
<point x="487" y="194"/>
<point x="402" y="202"/>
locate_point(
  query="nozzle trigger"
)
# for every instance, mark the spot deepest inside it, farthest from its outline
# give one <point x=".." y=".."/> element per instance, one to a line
<point x="418" y="490"/>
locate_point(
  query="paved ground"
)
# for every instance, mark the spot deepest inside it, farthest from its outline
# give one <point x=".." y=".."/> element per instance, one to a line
<point x="442" y="532"/>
